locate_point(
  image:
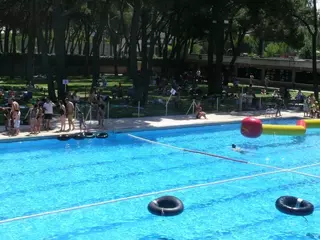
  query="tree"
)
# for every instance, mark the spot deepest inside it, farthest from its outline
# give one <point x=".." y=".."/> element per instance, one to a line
<point x="306" y="12"/>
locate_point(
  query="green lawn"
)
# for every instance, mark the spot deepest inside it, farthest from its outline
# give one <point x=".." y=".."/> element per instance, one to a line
<point x="156" y="104"/>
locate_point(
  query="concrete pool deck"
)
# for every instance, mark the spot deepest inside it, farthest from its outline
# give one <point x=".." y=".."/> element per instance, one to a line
<point x="143" y="123"/>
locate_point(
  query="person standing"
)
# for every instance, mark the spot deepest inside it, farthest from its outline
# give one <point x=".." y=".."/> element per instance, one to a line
<point x="101" y="112"/>
<point x="82" y="122"/>
<point x="33" y="119"/>
<point x="39" y="118"/>
<point x="48" y="113"/>
<point x="62" y="112"/>
<point x="70" y="113"/>
<point x="251" y="79"/>
<point x="15" y="116"/>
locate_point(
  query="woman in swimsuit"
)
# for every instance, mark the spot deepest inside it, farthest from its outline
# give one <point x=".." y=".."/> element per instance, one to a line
<point x="199" y="112"/>
<point x="62" y="112"/>
<point x="33" y="119"/>
<point x="101" y="112"/>
<point x="39" y="119"/>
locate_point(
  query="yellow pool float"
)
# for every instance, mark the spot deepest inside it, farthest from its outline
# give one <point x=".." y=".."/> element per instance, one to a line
<point x="252" y="127"/>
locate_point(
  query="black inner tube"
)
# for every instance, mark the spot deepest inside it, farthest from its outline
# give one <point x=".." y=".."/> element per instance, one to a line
<point x="102" y="135"/>
<point x="79" y="136"/>
<point x="294" y="206"/>
<point x="63" y="137"/>
<point x="89" y="135"/>
<point x="166" y="206"/>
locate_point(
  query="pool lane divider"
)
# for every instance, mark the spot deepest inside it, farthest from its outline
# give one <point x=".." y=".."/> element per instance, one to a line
<point x="218" y="156"/>
<point x="64" y="210"/>
<point x="188" y="150"/>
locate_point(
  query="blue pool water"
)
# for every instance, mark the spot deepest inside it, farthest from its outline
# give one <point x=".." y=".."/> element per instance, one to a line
<point x="47" y="175"/>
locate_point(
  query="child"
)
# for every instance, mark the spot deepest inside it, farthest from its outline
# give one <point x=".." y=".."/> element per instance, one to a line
<point x="306" y="109"/>
<point x="6" y="115"/>
<point x="81" y="121"/>
<point x="39" y="119"/>
<point x="33" y="119"/>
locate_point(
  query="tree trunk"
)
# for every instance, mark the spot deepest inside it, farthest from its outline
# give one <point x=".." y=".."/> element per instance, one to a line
<point x="103" y="46"/>
<point x="31" y="43"/>
<point x="1" y="43"/>
<point x="86" y="49"/>
<point x="235" y="53"/>
<point x="261" y="47"/>
<point x="6" y="39"/>
<point x="13" y="48"/>
<point x="14" y="52"/>
<point x="96" y="57"/>
<point x="59" y="27"/>
<point x="22" y="44"/>
<point x="216" y="86"/>
<point x="52" y="45"/>
<point x="145" y="18"/>
<point x="115" y="53"/>
<point x="177" y="65"/>
<point x="144" y="41"/>
<point x="96" y="45"/>
<point x="164" y="68"/>
<point x="133" y="43"/>
<point x="150" y="68"/>
<point x="80" y="50"/>
<point x="159" y="45"/>
<point x="314" y="50"/>
<point x="46" y="68"/>
<point x="210" y="71"/>
<point x="191" y="46"/>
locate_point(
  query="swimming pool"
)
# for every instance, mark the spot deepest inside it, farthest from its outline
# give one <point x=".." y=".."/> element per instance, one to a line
<point x="48" y="175"/>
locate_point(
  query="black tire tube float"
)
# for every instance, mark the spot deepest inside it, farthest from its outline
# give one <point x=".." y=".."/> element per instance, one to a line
<point x="63" y="137"/>
<point x="102" y="135"/>
<point x="79" y="136"/>
<point x="287" y="205"/>
<point x="166" y="206"/>
<point x="89" y="135"/>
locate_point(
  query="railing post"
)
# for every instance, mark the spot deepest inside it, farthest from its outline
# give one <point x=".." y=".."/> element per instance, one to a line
<point x="217" y="104"/>
<point x="139" y="109"/>
<point x="193" y="104"/>
<point x="260" y="103"/>
<point x="108" y="110"/>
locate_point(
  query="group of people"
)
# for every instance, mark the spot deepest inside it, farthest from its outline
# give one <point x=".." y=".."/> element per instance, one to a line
<point x="311" y="107"/>
<point x="41" y="114"/>
<point x="98" y="105"/>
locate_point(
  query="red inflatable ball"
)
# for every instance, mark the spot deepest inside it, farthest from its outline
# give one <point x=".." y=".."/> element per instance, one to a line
<point x="301" y="123"/>
<point x="251" y="127"/>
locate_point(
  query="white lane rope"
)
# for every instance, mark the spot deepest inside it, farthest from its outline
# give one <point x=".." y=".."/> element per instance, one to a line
<point x="151" y="194"/>
<point x="220" y="157"/>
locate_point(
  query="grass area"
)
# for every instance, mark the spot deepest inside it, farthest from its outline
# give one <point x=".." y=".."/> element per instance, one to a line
<point x="156" y="104"/>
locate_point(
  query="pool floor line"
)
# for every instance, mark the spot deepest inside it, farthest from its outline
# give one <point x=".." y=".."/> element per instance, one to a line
<point x="220" y="157"/>
<point x="151" y="194"/>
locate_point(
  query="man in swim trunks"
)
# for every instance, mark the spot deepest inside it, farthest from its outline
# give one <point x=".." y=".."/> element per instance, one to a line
<point x="70" y="113"/>
<point x="48" y="113"/>
<point x="15" y="115"/>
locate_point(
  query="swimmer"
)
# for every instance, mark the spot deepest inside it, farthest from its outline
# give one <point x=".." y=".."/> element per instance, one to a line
<point x="237" y="149"/>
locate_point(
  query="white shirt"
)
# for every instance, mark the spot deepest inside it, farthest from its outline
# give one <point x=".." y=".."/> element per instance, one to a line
<point x="48" y="107"/>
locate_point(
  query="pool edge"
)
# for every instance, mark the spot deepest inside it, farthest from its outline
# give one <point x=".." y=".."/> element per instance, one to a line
<point x="137" y="129"/>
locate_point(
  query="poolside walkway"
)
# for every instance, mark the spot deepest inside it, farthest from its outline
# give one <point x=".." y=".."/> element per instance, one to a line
<point x="127" y="124"/>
